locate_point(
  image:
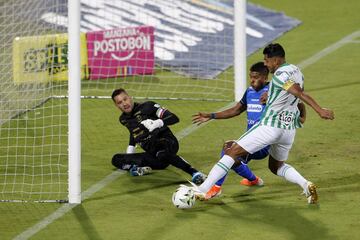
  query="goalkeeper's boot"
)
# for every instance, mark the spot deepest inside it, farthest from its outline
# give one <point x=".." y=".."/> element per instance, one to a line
<point x="139" y="171"/>
<point x="310" y="193"/>
<point x="198" y="178"/>
<point x="257" y="182"/>
<point x="214" y="191"/>
<point x="199" y="195"/>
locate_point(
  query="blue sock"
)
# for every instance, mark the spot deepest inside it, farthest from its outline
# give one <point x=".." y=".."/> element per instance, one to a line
<point x="244" y="171"/>
<point x="220" y="181"/>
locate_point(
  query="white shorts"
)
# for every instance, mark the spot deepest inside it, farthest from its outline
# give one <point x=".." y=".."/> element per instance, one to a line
<point x="260" y="136"/>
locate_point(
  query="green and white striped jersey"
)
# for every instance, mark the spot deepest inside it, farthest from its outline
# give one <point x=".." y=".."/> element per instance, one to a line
<point x="281" y="109"/>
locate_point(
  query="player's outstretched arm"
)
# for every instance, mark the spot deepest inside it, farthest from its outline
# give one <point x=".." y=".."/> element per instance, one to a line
<point x="202" y="117"/>
<point x="324" y="113"/>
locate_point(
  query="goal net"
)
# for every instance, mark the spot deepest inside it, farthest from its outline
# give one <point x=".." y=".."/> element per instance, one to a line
<point x="156" y="49"/>
<point x="33" y="126"/>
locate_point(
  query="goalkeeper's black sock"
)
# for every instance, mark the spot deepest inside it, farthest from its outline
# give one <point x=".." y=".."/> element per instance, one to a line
<point x="178" y="162"/>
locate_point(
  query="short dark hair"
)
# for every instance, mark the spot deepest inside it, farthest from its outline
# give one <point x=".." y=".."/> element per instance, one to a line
<point x="274" y="50"/>
<point x="260" y="68"/>
<point x="117" y="92"/>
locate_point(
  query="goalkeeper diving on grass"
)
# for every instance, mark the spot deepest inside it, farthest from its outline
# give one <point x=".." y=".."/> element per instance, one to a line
<point x="148" y="123"/>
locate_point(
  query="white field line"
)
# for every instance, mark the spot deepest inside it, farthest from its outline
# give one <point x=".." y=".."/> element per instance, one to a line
<point x="329" y="49"/>
<point x="180" y="135"/>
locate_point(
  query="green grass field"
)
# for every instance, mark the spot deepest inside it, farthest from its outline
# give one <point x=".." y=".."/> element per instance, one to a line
<point x="326" y="152"/>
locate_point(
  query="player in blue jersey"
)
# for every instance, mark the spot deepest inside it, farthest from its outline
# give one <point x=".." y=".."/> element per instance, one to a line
<point x="253" y="102"/>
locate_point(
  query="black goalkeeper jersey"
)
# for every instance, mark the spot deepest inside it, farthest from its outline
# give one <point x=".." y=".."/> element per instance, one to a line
<point x="140" y="112"/>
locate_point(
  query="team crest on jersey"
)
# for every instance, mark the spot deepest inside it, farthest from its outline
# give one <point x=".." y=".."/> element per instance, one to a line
<point x="138" y="118"/>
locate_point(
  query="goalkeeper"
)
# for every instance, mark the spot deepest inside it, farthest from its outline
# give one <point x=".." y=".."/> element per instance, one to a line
<point x="148" y="124"/>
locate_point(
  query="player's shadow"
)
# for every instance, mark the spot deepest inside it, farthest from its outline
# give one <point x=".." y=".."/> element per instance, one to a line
<point x="280" y="217"/>
<point x="284" y="219"/>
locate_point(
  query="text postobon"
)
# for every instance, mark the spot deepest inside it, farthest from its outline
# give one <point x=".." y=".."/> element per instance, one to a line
<point x="141" y="42"/>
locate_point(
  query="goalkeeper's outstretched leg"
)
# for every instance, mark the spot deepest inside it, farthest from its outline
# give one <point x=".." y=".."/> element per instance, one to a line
<point x="137" y="164"/>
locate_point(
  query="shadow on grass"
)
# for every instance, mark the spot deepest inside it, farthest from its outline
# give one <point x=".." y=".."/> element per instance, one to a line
<point x="87" y="225"/>
<point x="280" y="217"/>
<point x="135" y="185"/>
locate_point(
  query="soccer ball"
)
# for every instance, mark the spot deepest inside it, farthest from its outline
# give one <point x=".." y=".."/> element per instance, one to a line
<point x="183" y="197"/>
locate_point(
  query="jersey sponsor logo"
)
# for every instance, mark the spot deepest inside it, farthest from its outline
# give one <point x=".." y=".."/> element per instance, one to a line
<point x="286" y="118"/>
<point x="254" y="108"/>
<point x="251" y="121"/>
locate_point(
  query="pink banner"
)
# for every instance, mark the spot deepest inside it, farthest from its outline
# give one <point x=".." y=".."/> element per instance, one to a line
<point x="121" y="52"/>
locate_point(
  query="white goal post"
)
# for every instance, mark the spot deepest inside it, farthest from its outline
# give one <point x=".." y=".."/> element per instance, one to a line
<point x="239" y="49"/>
<point x="74" y="102"/>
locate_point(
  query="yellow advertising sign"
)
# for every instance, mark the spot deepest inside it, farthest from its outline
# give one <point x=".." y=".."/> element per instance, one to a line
<point x="44" y="58"/>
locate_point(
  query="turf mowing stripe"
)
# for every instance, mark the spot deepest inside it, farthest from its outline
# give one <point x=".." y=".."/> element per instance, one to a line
<point x="113" y="176"/>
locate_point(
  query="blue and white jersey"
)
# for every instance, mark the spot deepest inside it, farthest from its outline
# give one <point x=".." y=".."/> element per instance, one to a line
<point x="254" y="108"/>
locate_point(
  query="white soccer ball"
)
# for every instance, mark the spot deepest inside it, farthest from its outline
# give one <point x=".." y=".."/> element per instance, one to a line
<point x="183" y="197"/>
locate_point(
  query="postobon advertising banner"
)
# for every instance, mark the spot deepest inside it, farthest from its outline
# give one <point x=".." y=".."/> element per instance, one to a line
<point x="121" y="52"/>
<point x="44" y="58"/>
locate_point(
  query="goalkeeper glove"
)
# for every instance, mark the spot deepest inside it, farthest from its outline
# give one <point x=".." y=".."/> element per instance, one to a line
<point x="151" y="125"/>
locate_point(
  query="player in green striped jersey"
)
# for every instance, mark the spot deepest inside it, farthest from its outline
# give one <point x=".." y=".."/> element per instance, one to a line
<point x="276" y="128"/>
